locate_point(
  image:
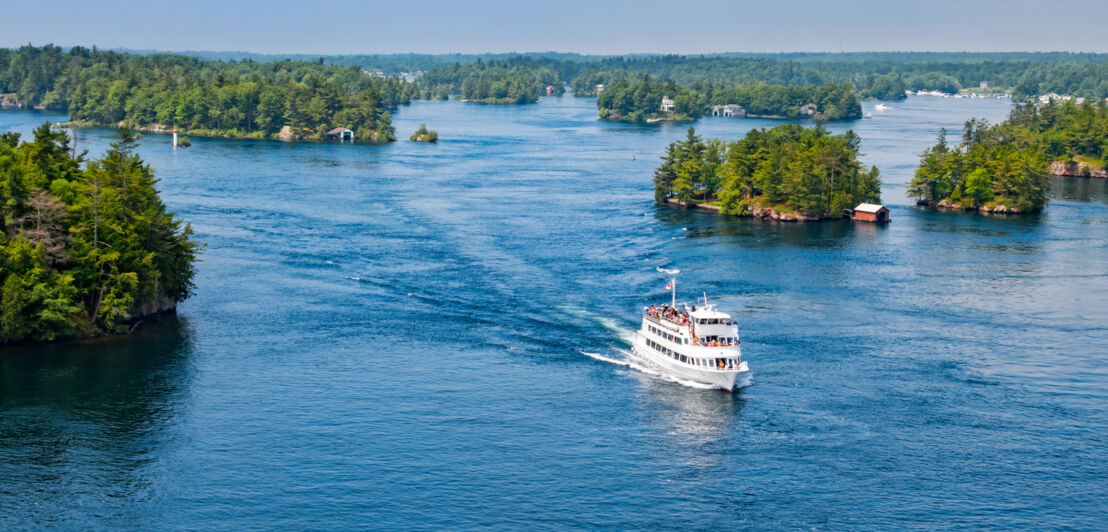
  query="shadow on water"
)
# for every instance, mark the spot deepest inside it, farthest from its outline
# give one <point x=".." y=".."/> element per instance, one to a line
<point x="700" y="224"/>
<point x="1083" y="189"/>
<point x="81" y="415"/>
<point x="944" y="221"/>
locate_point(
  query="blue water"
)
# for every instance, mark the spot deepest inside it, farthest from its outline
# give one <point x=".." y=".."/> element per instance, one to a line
<point x="423" y="336"/>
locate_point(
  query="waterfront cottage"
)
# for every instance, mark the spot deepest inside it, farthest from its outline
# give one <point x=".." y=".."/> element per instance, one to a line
<point x="667" y="104"/>
<point x="728" y="111"/>
<point x="341" y="133"/>
<point x="809" y="109"/>
<point x="869" y="212"/>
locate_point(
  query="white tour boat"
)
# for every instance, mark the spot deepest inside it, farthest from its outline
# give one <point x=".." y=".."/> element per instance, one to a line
<point x="696" y="343"/>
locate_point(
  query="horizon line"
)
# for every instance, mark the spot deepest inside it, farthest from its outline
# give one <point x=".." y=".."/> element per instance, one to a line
<point x="584" y="54"/>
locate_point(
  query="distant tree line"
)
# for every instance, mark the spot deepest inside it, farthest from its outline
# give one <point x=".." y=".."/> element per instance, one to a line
<point x="86" y="246"/>
<point x="788" y="168"/>
<point x="239" y="99"/>
<point x="1006" y="166"/>
<point x="876" y="75"/>
<point x="772" y="68"/>
<point x="515" y="80"/>
<point x="882" y="87"/>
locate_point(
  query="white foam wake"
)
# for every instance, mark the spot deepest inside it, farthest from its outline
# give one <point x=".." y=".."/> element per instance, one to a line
<point x="631" y="361"/>
<point x="612" y="325"/>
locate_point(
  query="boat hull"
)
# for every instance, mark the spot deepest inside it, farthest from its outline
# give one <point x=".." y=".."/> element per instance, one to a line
<point x="724" y="380"/>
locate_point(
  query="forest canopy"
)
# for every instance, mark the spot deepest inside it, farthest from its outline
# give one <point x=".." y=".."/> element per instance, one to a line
<point x="1006" y="167"/>
<point x="786" y="168"/>
<point x="86" y="246"/>
<point x="640" y="101"/>
<point x="875" y="74"/>
<point x="514" y="80"/>
<point x="235" y="99"/>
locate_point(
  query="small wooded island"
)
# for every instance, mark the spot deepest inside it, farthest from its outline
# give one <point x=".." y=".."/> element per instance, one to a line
<point x="1006" y="168"/>
<point x="787" y="173"/>
<point x="424" y="135"/>
<point x="286" y="100"/>
<point x="650" y="101"/>
<point x="87" y="246"/>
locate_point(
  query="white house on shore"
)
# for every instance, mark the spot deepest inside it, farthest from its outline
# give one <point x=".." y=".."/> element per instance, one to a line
<point x="1046" y="98"/>
<point x="667" y="104"/>
<point x="728" y="111"/>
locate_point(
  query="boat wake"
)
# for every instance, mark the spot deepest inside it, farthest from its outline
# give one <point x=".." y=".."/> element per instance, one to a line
<point x="628" y="360"/>
<point x="612" y="325"/>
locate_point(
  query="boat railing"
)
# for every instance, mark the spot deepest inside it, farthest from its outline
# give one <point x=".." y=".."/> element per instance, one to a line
<point x="667" y="319"/>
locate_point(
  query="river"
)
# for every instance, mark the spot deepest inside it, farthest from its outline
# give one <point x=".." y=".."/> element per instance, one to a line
<point x="435" y="336"/>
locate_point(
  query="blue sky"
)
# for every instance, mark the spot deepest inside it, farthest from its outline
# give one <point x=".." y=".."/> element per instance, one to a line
<point x="613" y="27"/>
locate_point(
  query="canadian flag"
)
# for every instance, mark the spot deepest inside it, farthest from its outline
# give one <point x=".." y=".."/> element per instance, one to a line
<point x="670" y="285"/>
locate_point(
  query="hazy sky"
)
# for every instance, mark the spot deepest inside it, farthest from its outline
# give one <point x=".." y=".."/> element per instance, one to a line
<point x="587" y="26"/>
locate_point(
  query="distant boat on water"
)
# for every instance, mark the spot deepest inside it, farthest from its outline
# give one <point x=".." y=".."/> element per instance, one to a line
<point x="881" y="107"/>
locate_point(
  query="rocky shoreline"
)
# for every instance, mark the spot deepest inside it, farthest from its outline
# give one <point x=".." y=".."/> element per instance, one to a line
<point x="286" y="134"/>
<point x="949" y="205"/>
<point x="759" y="212"/>
<point x="652" y="120"/>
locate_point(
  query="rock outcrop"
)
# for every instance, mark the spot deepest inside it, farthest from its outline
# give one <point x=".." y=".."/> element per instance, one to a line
<point x="10" y="101"/>
<point x="286" y="134"/>
<point x="1074" y="168"/>
<point x="948" y="204"/>
<point x="161" y="305"/>
<point x="757" y="211"/>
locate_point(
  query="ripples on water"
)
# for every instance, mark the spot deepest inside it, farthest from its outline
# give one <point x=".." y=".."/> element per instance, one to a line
<point x="424" y="336"/>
